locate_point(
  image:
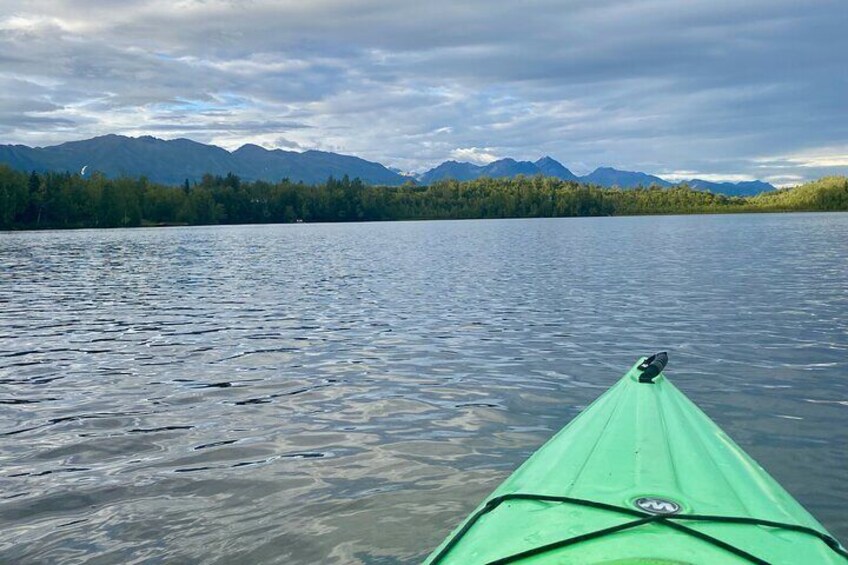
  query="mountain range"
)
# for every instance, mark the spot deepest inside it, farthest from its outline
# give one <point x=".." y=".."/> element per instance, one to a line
<point x="502" y="168"/>
<point x="602" y="176"/>
<point x="174" y="161"/>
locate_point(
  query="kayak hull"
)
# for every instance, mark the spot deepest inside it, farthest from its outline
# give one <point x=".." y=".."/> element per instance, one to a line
<point x="645" y="465"/>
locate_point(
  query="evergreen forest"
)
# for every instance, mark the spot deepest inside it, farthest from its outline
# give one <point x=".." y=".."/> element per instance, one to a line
<point x="63" y="200"/>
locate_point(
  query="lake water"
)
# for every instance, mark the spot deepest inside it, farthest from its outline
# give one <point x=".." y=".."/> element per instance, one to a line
<point x="347" y="393"/>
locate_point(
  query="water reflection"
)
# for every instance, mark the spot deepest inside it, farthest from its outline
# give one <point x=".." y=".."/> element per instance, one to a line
<point x="346" y="393"/>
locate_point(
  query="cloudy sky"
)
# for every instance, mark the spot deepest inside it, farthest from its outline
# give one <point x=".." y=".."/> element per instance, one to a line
<point x="726" y="89"/>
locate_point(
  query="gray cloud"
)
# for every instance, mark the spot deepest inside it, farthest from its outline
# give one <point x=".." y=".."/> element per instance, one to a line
<point x="714" y="87"/>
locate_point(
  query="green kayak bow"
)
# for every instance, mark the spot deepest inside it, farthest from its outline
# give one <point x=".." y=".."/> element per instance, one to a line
<point x="641" y="477"/>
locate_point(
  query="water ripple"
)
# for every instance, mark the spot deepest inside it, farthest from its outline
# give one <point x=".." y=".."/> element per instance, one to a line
<point x="347" y="393"/>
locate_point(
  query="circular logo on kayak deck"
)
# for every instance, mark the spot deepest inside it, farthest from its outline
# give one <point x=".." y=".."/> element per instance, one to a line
<point x="656" y="505"/>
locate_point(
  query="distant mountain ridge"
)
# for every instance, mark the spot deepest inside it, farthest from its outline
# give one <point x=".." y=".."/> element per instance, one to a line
<point x="609" y="177"/>
<point x="501" y="168"/>
<point x="174" y="161"/>
<point x="602" y="176"/>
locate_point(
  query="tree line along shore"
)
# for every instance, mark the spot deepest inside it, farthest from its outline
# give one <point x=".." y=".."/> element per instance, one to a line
<point x="64" y="200"/>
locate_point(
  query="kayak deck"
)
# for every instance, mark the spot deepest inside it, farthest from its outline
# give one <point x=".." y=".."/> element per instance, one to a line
<point x="642" y="476"/>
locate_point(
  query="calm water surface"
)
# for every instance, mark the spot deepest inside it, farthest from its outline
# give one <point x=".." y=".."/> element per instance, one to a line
<point x="347" y="393"/>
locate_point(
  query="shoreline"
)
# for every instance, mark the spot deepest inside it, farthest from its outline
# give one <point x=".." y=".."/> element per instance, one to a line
<point x="400" y="220"/>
